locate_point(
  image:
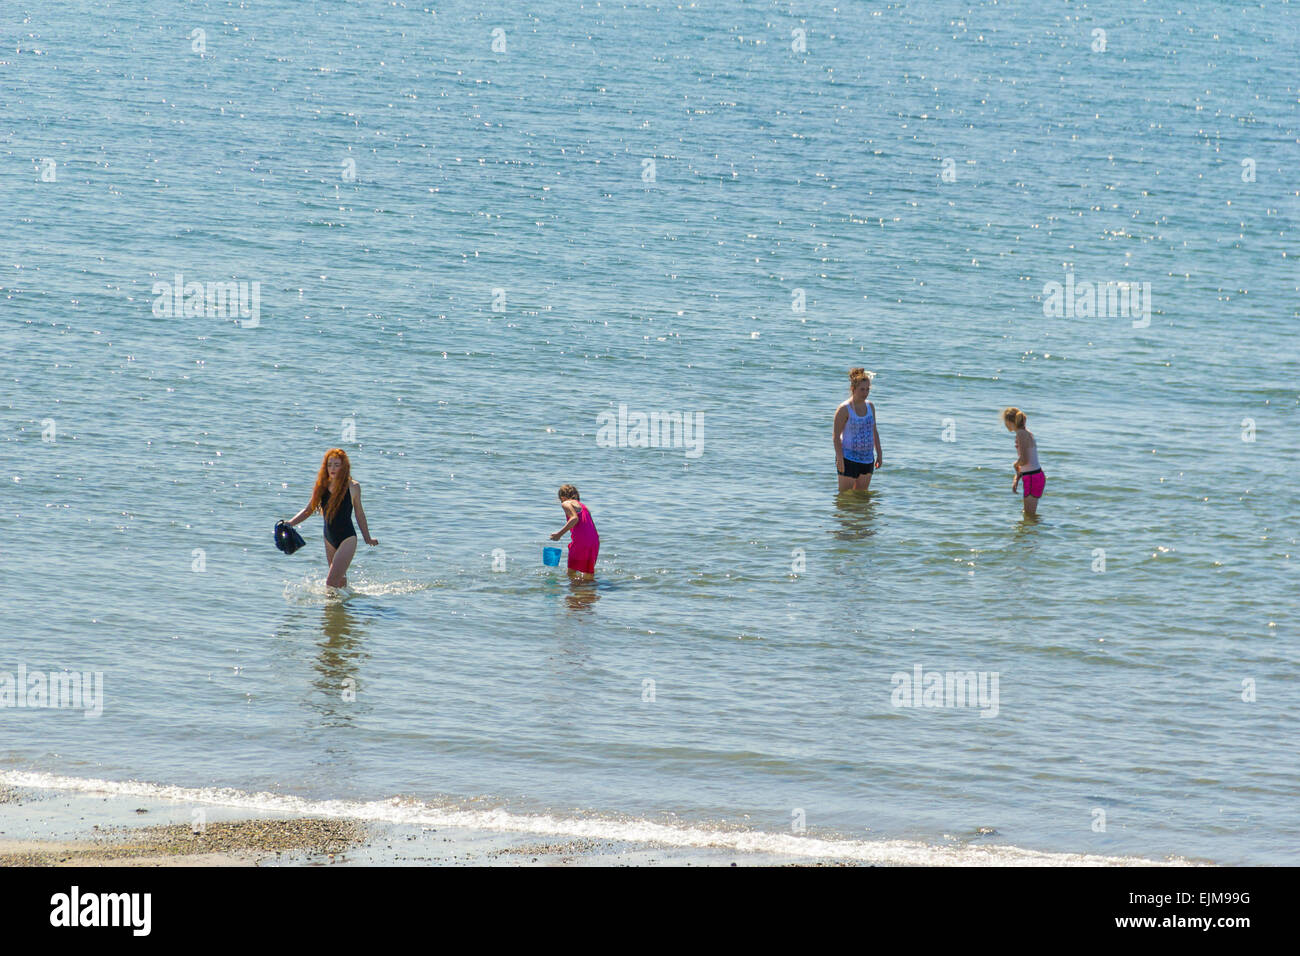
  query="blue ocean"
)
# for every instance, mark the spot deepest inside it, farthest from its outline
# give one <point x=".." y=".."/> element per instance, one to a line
<point x="489" y="250"/>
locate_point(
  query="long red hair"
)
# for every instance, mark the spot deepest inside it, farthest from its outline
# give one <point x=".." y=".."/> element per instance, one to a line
<point x="335" y="489"/>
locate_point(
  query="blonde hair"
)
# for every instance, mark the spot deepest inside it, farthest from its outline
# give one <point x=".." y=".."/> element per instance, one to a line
<point x="857" y="375"/>
<point x="1014" y="415"/>
<point x="568" y="492"/>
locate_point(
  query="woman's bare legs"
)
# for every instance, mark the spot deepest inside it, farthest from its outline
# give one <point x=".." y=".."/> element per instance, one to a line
<point x="860" y="483"/>
<point x="339" y="559"/>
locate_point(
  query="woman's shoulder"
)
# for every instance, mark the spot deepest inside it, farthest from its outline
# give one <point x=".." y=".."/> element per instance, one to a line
<point x="354" y="484"/>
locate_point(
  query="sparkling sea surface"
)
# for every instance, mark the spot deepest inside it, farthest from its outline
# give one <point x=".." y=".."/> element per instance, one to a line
<point x="476" y="228"/>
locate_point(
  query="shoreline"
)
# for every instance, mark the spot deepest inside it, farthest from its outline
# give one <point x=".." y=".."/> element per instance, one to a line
<point x="63" y="828"/>
<point x="96" y="823"/>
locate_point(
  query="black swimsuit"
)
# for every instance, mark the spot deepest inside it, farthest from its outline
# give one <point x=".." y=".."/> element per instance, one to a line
<point x="339" y="528"/>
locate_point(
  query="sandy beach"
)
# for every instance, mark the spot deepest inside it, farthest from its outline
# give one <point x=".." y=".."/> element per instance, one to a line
<point x="57" y="828"/>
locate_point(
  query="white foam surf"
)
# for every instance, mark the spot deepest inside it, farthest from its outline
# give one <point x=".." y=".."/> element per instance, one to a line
<point x="403" y="811"/>
<point x="312" y="589"/>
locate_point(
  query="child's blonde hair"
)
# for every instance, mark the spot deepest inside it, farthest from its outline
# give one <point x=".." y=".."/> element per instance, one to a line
<point x="1014" y="415"/>
<point x="568" y="492"/>
<point x="858" y="374"/>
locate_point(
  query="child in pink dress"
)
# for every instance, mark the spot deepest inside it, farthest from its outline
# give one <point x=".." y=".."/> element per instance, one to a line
<point x="585" y="543"/>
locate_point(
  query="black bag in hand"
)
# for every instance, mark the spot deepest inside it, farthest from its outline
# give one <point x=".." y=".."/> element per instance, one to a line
<point x="287" y="538"/>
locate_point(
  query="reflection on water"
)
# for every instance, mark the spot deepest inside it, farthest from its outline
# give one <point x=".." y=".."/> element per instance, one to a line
<point x="582" y="595"/>
<point x="338" y="660"/>
<point x="1025" y="529"/>
<point x="855" y="511"/>
<point x="1026" y="540"/>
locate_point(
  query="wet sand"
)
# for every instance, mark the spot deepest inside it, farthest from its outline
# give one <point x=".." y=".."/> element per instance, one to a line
<point x="218" y="844"/>
<point x="57" y="828"/>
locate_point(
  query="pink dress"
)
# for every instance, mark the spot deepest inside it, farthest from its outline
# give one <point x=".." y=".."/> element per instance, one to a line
<point x="584" y="543"/>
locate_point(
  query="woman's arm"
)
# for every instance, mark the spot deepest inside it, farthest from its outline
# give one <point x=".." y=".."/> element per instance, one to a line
<point x="875" y="432"/>
<point x="1022" y="451"/>
<point x="361" y="515"/>
<point x="301" y="516"/>
<point x="574" y="514"/>
<point x="841" y="419"/>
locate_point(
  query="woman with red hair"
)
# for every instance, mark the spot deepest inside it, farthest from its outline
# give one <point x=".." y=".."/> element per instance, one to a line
<point x="336" y="496"/>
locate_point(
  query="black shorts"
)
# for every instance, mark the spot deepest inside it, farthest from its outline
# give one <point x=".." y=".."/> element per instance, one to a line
<point x="856" y="469"/>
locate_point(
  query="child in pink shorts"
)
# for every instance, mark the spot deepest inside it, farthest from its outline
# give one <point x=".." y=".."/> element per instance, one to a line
<point x="585" y="543"/>
<point x="1028" y="470"/>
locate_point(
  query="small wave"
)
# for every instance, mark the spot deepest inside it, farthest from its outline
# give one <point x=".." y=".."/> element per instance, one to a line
<point x="312" y="589"/>
<point x="406" y="811"/>
<point x="378" y="588"/>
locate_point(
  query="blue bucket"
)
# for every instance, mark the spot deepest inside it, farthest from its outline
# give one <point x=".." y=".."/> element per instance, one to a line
<point x="551" y="557"/>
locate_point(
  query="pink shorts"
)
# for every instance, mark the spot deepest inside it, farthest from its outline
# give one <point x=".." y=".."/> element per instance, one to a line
<point x="583" y="558"/>
<point x="1034" y="484"/>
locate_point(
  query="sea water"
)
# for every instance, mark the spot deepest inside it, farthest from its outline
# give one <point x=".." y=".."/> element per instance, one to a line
<point x="489" y="251"/>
